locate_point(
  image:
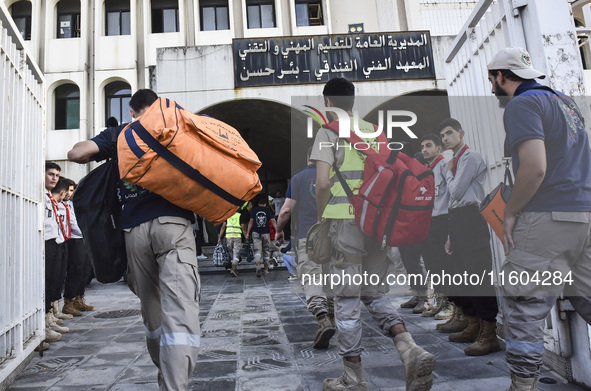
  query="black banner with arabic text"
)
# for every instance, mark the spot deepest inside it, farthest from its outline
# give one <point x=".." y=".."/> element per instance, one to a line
<point x="316" y="59"/>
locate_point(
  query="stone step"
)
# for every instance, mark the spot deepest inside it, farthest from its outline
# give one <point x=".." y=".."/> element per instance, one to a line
<point x="206" y="266"/>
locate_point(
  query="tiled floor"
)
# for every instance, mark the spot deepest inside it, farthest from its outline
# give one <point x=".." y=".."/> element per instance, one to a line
<point x="256" y="335"/>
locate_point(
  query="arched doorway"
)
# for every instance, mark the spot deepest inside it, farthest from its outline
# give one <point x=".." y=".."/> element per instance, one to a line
<point x="266" y="126"/>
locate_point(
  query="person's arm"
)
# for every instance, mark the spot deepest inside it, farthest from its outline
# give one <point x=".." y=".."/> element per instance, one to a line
<point x="458" y="185"/>
<point x="249" y="228"/>
<point x="83" y="151"/>
<point x="274" y="224"/>
<point x="322" y="186"/>
<point x="285" y="214"/>
<point x="222" y="230"/>
<point x="528" y="178"/>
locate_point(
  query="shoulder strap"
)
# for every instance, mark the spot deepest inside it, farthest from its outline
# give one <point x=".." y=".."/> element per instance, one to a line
<point x="181" y="165"/>
<point x="568" y="102"/>
<point x="356" y="139"/>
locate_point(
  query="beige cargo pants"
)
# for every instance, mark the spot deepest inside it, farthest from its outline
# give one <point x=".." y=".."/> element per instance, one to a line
<point x="364" y="256"/>
<point x="553" y="253"/>
<point x="310" y="274"/>
<point x="234" y="246"/>
<point x="162" y="272"/>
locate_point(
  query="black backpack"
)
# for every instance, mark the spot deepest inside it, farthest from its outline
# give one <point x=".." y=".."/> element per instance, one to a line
<point x="97" y="209"/>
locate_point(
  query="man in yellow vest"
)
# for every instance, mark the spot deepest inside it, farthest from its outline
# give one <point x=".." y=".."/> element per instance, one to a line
<point x="234" y="231"/>
<point x="354" y="254"/>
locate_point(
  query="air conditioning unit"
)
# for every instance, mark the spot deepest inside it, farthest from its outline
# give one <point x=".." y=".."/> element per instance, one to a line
<point x="315" y="14"/>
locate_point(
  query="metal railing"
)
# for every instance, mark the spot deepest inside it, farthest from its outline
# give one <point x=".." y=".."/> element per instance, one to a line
<point x="22" y="139"/>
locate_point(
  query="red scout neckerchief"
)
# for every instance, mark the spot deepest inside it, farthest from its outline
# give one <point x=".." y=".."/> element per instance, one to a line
<point x="455" y="166"/>
<point x="434" y="162"/>
<point x="57" y="216"/>
<point x="68" y="219"/>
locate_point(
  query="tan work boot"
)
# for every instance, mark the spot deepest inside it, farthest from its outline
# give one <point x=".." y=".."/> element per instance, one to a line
<point x="59" y="314"/>
<point x="70" y="308"/>
<point x="412" y="303"/>
<point x="523" y="383"/>
<point x="50" y="335"/>
<point x="486" y="342"/>
<point x="350" y="380"/>
<point x="55" y="319"/>
<point x="439" y="301"/>
<point x="470" y="333"/>
<point x="446" y="312"/>
<point x="418" y="363"/>
<point x="325" y="332"/>
<point x="234" y="270"/>
<point x="457" y="323"/>
<point x="81" y="305"/>
<point x="258" y="266"/>
<point x="421" y="305"/>
<point x="266" y="269"/>
<point x="50" y="321"/>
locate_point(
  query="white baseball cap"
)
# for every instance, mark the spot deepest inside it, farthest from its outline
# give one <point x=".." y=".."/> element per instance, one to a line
<point x="517" y="60"/>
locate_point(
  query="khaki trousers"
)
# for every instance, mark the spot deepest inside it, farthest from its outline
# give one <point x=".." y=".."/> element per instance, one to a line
<point x="315" y="296"/>
<point x="546" y="243"/>
<point x="234" y="246"/>
<point x="261" y="244"/>
<point x="162" y="272"/>
<point x="347" y="239"/>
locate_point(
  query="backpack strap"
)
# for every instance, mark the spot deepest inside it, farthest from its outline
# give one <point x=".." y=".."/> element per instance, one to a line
<point x="568" y="102"/>
<point x="181" y="165"/>
<point x="356" y="139"/>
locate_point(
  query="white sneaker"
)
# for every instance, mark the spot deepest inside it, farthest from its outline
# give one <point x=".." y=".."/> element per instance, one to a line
<point x="201" y="256"/>
<point x="292" y="277"/>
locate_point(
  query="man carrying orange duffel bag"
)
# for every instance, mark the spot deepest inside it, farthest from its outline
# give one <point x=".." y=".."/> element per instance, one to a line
<point x="162" y="263"/>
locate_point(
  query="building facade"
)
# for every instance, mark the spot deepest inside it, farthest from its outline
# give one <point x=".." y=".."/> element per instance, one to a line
<point x="95" y="54"/>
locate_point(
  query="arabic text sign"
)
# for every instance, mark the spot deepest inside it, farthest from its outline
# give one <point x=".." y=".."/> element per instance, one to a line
<point x="316" y="59"/>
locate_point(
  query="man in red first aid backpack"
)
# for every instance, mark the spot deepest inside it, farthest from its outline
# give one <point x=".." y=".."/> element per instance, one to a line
<point x="355" y="254"/>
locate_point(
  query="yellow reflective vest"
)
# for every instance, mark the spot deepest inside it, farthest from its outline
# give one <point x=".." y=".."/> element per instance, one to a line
<point x="338" y="206"/>
<point x="233" y="229"/>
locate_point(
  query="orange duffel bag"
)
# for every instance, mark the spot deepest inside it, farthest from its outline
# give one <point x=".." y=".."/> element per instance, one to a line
<point x="492" y="207"/>
<point x="195" y="162"/>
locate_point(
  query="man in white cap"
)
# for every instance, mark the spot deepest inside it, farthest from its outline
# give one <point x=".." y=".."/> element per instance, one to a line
<point x="547" y="220"/>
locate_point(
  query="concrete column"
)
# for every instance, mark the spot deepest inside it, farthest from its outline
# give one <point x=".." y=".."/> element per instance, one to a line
<point x="551" y="40"/>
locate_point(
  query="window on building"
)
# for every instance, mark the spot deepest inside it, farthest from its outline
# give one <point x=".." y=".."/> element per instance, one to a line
<point x="260" y="13"/>
<point x="21" y="14"/>
<point x="117" y="96"/>
<point x="309" y="13"/>
<point x="165" y="16"/>
<point x="68" y="19"/>
<point x="117" y="17"/>
<point x="214" y="15"/>
<point x="67" y="107"/>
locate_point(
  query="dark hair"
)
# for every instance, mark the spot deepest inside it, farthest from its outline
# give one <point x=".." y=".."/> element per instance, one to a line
<point x="506" y="73"/>
<point x="61" y="185"/>
<point x="262" y="199"/>
<point x="52" y="165"/>
<point x="309" y="153"/>
<point x="341" y="92"/>
<point x="454" y="123"/>
<point x="112" y="122"/>
<point x="70" y="182"/>
<point x="433" y="137"/>
<point x="142" y="99"/>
